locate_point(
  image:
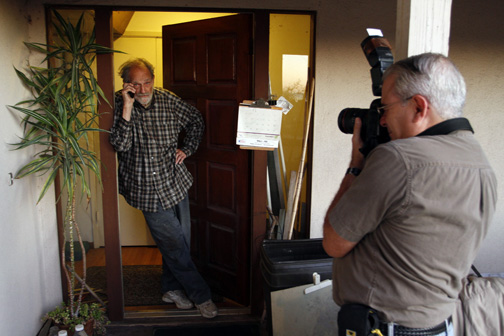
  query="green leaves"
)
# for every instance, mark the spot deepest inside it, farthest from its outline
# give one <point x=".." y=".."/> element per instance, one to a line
<point x="62" y="316"/>
<point x="63" y="109"/>
<point x="56" y="122"/>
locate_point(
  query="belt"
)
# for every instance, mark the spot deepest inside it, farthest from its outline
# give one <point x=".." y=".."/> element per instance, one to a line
<point x="398" y="330"/>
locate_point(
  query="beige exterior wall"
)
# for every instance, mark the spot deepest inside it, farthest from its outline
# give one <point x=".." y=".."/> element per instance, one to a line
<point x="27" y="254"/>
<point x="30" y="282"/>
<point x="477" y="46"/>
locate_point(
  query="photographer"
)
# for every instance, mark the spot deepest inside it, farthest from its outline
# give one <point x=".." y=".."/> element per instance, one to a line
<point x="408" y="219"/>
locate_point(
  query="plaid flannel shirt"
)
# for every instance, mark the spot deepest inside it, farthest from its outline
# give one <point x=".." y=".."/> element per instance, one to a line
<point x="146" y="147"/>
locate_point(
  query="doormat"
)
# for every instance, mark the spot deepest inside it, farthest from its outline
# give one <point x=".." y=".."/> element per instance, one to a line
<point x="141" y="285"/>
<point x="229" y="330"/>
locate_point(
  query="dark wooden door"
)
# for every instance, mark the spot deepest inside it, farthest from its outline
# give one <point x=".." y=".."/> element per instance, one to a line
<point x="208" y="63"/>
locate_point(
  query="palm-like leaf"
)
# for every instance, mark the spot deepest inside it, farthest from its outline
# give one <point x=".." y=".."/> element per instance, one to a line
<point x="59" y="117"/>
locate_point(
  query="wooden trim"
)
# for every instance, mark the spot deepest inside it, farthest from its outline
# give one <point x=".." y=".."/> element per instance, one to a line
<point x="105" y="71"/>
<point x="305" y="217"/>
<point x="259" y="162"/>
<point x="309" y="162"/>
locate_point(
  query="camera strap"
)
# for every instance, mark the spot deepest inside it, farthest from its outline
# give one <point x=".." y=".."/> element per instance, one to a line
<point x="448" y="126"/>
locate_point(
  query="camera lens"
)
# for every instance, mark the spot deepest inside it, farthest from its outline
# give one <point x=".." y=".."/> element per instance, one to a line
<point x="346" y="119"/>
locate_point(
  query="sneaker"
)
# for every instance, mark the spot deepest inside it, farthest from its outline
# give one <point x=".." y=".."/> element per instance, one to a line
<point x="179" y="298"/>
<point x="208" y="309"/>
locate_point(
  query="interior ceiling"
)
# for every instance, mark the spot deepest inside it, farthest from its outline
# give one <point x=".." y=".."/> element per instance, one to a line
<point x="120" y="22"/>
<point x="142" y="21"/>
<point x="151" y="23"/>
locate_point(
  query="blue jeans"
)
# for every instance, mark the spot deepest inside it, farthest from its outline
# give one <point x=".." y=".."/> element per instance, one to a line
<point x="171" y="230"/>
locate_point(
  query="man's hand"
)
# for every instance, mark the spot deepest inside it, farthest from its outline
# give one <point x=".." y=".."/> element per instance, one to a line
<point x="180" y="157"/>
<point x="128" y="100"/>
<point x="335" y="245"/>
<point x="128" y="93"/>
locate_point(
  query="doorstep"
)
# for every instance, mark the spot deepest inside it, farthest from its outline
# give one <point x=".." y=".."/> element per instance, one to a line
<point x="146" y="326"/>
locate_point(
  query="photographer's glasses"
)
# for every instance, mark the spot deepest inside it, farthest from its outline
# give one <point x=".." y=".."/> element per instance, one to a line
<point x="382" y="109"/>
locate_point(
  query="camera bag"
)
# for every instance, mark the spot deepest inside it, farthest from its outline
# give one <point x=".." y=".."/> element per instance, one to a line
<point x="357" y="320"/>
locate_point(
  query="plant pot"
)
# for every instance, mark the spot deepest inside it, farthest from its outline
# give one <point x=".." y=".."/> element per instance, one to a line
<point x="88" y="328"/>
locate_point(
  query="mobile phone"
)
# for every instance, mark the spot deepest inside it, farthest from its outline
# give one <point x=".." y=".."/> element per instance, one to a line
<point x="131" y="94"/>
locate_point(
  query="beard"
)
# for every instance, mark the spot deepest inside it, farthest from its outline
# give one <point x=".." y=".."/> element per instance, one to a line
<point x="144" y="98"/>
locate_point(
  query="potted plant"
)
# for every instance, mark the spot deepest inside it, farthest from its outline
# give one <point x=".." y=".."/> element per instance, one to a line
<point x="92" y="316"/>
<point x="57" y="121"/>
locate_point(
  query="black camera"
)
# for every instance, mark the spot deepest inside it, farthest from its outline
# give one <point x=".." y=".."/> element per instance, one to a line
<point x="379" y="55"/>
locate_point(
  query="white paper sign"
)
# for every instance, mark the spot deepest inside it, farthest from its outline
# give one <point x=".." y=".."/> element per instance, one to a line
<point x="258" y="127"/>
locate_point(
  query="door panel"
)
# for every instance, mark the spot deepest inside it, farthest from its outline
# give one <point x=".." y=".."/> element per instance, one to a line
<point x="184" y="56"/>
<point x="208" y="63"/>
<point x="221" y="135"/>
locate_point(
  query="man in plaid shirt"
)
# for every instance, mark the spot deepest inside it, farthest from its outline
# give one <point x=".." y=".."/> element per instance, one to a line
<point x="154" y="179"/>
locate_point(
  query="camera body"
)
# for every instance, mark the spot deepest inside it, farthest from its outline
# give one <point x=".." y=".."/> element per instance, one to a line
<point x="379" y="55"/>
<point x="372" y="134"/>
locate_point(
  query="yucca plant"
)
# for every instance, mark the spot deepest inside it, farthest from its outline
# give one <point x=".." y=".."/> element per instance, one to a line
<point x="57" y="121"/>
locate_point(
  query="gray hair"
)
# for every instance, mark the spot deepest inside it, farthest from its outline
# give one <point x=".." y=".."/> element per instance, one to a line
<point x="433" y="76"/>
<point x="124" y="70"/>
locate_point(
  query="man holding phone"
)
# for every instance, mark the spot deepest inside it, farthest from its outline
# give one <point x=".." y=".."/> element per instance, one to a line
<point x="153" y="178"/>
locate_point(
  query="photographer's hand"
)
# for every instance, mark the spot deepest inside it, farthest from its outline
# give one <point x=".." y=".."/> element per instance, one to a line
<point x="357" y="160"/>
<point x="335" y="245"/>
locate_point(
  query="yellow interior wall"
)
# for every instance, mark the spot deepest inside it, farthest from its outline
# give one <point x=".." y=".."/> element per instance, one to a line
<point x="290" y="35"/>
<point x="148" y="48"/>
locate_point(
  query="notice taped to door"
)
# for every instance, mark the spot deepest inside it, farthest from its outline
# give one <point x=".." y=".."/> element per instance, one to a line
<point x="259" y="127"/>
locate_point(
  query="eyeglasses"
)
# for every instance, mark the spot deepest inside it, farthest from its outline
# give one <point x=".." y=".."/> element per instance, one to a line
<point x="384" y="108"/>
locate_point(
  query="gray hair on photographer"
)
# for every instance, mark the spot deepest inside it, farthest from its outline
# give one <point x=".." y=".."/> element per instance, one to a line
<point x="433" y="76"/>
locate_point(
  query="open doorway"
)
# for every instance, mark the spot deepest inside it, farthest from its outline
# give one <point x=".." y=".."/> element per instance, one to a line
<point x="219" y="197"/>
<point x="139" y="34"/>
<point x="134" y="38"/>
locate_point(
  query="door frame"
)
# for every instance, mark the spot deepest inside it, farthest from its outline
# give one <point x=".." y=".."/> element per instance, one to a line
<point x="110" y="199"/>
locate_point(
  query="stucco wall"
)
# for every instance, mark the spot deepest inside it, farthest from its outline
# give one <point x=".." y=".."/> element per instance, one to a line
<point x="30" y="282"/>
<point x="478" y="50"/>
<point x="342" y="80"/>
